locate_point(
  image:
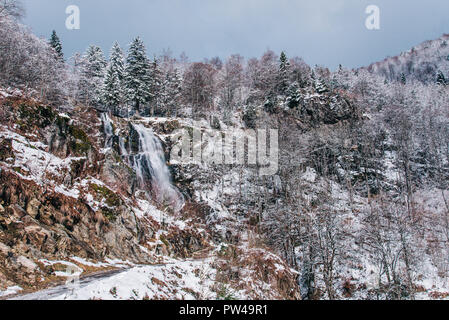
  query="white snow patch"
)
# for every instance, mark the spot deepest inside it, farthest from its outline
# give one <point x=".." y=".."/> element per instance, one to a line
<point x="182" y="280"/>
<point x="10" y="290"/>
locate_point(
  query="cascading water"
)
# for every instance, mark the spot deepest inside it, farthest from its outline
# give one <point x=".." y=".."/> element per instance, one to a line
<point x="149" y="164"/>
<point x="151" y="169"/>
<point x="108" y="129"/>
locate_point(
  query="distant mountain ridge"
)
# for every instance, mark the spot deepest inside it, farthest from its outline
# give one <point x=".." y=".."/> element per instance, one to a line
<point x="422" y="62"/>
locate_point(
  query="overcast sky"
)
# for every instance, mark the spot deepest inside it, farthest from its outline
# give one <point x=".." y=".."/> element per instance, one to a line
<point x="324" y="32"/>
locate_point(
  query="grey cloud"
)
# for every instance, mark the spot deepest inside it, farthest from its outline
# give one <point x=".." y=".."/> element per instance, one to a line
<point x="324" y="32"/>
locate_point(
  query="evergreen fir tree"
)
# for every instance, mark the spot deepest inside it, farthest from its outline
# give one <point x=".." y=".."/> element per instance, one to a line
<point x="320" y="86"/>
<point x="175" y="88"/>
<point x="293" y="95"/>
<point x="441" y="78"/>
<point x="92" y="74"/>
<point x="164" y="95"/>
<point x="112" y="91"/>
<point x="403" y="79"/>
<point x="270" y="104"/>
<point x="250" y="117"/>
<point x="283" y="78"/>
<point x="171" y="92"/>
<point x="55" y="43"/>
<point x="156" y="82"/>
<point x="137" y="79"/>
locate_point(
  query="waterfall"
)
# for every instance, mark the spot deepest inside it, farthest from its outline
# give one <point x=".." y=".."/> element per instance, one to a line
<point x="148" y="163"/>
<point x="108" y="129"/>
<point x="150" y="166"/>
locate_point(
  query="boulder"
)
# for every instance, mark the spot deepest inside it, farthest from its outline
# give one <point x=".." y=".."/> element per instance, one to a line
<point x="16" y="211"/>
<point x="33" y="208"/>
<point x="29" y="265"/>
<point x="4" y="249"/>
<point x="6" y="150"/>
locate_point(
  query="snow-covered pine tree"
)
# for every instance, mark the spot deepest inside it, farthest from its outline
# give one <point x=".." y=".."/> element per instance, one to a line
<point x="321" y="79"/>
<point x="441" y="79"/>
<point x="283" y="77"/>
<point x="403" y="79"/>
<point x="172" y="92"/>
<point x="156" y="81"/>
<point x="137" y="75"/>
<point x="250" y="116"/>
<point x="176" y="92"/>
<point x="271" y="103"/>
<point x="113" y="87"/>
<point x="92" y="75"/>
<point x="320" y="86"/>
<point x="293" y="95"/>
<point x="55" y="43"/>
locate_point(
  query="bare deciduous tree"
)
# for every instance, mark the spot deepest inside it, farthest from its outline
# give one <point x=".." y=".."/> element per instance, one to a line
<point x="199" y="87"/>
<point x="11" y="8"/>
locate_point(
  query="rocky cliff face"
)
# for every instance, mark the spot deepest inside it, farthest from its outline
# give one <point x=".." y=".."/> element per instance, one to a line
<point x="52" y="207"/>
<point x="70" y="194"/>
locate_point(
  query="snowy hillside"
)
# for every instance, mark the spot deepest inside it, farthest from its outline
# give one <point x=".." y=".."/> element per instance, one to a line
<point x="423" y="62"/>
<point x="139" y="178"/>
<point x="122" y="229"/>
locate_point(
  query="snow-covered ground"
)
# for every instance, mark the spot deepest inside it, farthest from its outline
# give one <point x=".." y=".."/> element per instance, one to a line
<point x="10" y="291"/>
<point x="183" y="280"/>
